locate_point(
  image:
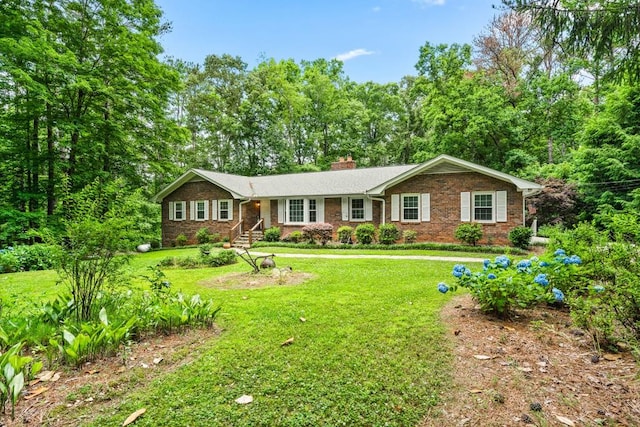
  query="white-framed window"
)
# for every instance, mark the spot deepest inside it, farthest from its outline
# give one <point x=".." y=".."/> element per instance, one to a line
<point x="483" y="208"/>
<point x="179" y="211"/>
<point x="411" y="207"/>
<point x="356" y="209"/>
<point x="300" y="211"/>
<point x="201" y="210"/>
<point x="313" y="210"/>
<point x="295" y="211"/>
<point x="224" y="210"/>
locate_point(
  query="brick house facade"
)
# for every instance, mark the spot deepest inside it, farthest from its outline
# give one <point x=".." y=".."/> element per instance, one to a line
<point x="432" y="199"/>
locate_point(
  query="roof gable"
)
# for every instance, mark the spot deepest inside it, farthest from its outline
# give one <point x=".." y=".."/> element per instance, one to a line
<point x="448" y="164"/>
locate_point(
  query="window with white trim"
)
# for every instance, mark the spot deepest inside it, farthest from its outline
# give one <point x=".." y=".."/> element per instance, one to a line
<point x="313" y="210"/>
<point x="179" y="211"/>
<point x="224" y="209"/>
<point x="295" y="211"/>
<point x="411" y="207"/>
<point x="483" y="207"/>
<point x="200" y="210"/>
<point x="357" y="209"/>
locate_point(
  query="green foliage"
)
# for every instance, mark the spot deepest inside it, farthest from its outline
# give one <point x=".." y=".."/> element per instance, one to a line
<point x="319" y="231"/>
<point x="9" y="261"/>
<point x="224" y="257"/>
<point x="388" y="234"/>
<point x="345" y="234"/>
<point x="503" y="285"/>
<point x="605" y="298"/>
<point x="409" y="236"/>
<point x="295" y="236"/>
<point x="203" y="235"/>
<point x="181" y="240"/>
<point x="15" y="372"/>
<point x="520" y="237"/>
<point x="469" y="233"/>
<point x="158" y="281"/>
<point x="272" y="234"/>
<point x="365" y="234"/>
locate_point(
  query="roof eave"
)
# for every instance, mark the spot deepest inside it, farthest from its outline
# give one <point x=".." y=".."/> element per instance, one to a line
<point x="186" y="177"/>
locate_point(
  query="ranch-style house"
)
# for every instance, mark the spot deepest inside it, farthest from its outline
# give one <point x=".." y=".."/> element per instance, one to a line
<point x="431" y="198"/>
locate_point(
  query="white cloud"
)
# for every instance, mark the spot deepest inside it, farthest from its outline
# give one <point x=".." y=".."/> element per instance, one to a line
<point x="353" y="54"/>
<point x="430" y="2"/>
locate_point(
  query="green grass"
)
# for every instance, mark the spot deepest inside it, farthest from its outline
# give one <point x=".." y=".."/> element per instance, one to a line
<point x="372" y="351"/>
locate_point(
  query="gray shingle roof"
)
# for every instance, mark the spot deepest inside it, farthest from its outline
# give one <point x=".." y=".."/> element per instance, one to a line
<point x="337" y="183"/>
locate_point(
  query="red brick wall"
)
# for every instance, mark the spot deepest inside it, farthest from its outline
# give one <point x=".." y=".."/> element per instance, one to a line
<point x="445" y="209"/>
<point x="200" y="190"/>
<point x="445" y="192"/>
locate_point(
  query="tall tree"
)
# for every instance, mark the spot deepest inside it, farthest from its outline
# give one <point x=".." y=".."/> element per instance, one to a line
<point x="605" y="31"/>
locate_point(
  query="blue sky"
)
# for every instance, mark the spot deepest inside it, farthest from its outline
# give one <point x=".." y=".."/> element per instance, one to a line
<point x="378" y="40"/>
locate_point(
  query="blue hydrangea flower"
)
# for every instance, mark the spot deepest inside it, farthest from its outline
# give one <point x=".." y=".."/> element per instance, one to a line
<point x="459" y="270"/>
<point x="541" y="279"/>
<point x="486" y="263"/>
<point x="503" y="261"/>
<point x="557" y="294"/>
<point x="442" y="287"/>
<point x="523" y="265"/>
<point x="598" y="288"/>
<point x="575" y="259"/>
<point x="544" y="264"/>
<point x="491" y="276"/>
<point x="560" y="252"/>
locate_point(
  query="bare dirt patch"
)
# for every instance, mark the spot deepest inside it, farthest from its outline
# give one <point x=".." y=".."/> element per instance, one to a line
<point x="536" y="369"/>
<point x="74" y="396"/>
<point x="272" y="277"/>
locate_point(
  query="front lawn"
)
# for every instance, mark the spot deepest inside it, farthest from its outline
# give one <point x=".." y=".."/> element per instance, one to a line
<point x="371" y="350"/>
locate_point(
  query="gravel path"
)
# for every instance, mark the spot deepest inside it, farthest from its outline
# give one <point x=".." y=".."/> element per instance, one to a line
<point x="398" y="257"/>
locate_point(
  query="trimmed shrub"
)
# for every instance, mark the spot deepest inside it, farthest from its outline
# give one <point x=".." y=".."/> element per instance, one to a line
<point x="224" y="257"/>
<point x="345" y="234"/>
<point x="181" y="240"/>
<point x="410" y="236"/>
<point x="520" y="237"/>
<point x="469" y="233"/>
<point x="365" y="234"/>
<point x="203" y="236"/>
<point x="320" y="231"/>
<point x="388" y="234"/>
<point x="9" y="262"/>
<point x="293" y="237"/>
<point x="272" y="234"/>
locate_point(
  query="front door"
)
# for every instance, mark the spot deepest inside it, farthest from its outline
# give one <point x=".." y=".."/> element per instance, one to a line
<point x="265" y="212"/>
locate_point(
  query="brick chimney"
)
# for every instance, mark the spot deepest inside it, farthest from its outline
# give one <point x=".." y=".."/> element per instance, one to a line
<point x="343" y="164"/>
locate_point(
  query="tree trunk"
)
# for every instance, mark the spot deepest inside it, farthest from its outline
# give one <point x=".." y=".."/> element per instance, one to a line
<point x="51" y="203"/>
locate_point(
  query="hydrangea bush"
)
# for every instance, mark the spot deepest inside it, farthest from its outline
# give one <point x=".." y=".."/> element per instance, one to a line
<point x="505" y="284"/>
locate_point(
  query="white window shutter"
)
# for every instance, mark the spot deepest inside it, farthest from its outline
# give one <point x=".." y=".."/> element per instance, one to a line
<point x="465" y="206"/>
<point x="192" y="210"/>
<point x="426" y="206"/>
<point x="320" y="210"/>
<point x="395" y="207"/>
<point x="345" y="209"/>
<point x="214" y="210"/>
<point x="231" y="210"/>
<point x="171" y="210"/>
<point x="501" y="206"/>
<point x="206" y="210"/>
<point x="368" y="210"/>
<point x="281" y="205"/>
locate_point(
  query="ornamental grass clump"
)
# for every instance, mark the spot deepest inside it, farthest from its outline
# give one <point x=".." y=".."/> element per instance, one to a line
<point x="504" y="285"/>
